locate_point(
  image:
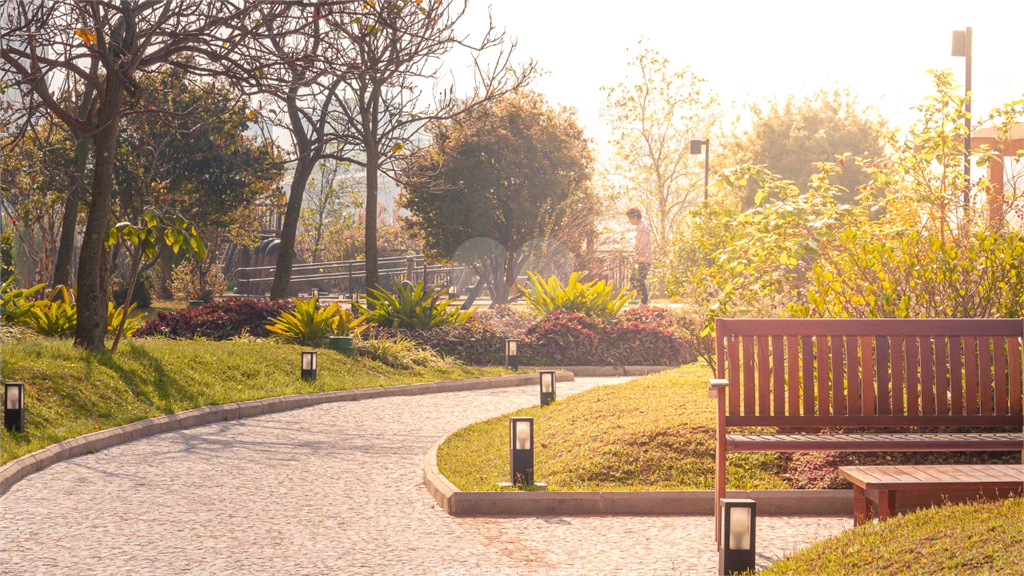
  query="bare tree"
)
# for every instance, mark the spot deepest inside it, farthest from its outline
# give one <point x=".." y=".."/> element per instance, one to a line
<point x="107" y="45"/>
<point x="393" y="53"/>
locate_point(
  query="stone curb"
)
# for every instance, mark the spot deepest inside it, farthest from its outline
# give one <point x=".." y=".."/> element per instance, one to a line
<point x="604" y="371"/>
<point x="16" y="470"/>
<point x="647" y="503"/>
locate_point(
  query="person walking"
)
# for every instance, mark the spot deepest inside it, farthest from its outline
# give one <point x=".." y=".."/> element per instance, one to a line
<point x="643" y="254"/>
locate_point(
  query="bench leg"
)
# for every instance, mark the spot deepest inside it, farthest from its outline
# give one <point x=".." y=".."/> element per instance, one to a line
<point x="886" y="504"/>
<point x="862" y="512"/>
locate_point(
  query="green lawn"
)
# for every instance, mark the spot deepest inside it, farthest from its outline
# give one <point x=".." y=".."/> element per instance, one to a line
<point x="957" y="540"/>
<point x="655" y="432"/>
<point x="70" y="392"/>
<point x="652" y="433"/>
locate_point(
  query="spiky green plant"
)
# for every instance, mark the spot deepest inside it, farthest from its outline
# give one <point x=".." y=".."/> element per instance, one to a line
<point x="55" y="316"/>
<point x="595" y="298"/>
<point x="415" y="307"/>
<point x="310" y="325"/>
<point x="16" y="303"/>
<point x="114" y="315"/>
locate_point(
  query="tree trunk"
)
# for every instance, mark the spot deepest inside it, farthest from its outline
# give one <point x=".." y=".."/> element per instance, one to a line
<point x="370" y="238"/>
<point x="286" y="253"/>
<point x="93" y="277"/>
<point x="69" y="224"/>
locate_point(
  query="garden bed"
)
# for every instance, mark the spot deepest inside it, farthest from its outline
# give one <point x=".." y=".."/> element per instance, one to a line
<point x="71" y="392"/>
<point x="965" y="539"/>
<point x="653" y="433"/>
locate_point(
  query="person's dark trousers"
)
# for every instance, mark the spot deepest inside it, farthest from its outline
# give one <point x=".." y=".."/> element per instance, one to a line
<point x="638" y="280"/>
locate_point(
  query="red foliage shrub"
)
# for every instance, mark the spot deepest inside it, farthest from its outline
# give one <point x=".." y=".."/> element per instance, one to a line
<point x="217" y="320"/>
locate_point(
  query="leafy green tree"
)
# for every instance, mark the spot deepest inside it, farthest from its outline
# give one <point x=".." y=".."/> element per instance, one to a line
<point x="513" y="170"/>
<point x="656" y="114"/>
<point x="789" y="138"/>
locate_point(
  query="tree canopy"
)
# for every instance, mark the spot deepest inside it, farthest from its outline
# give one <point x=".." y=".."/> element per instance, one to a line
<point x="513" y="170"/>
<point x="789" y="137"/>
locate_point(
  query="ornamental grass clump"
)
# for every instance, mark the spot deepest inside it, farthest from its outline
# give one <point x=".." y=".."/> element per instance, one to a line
<point x="595" y="298"/>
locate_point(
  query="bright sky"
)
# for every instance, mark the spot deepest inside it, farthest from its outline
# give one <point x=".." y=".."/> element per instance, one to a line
<point x="749" y="50"/>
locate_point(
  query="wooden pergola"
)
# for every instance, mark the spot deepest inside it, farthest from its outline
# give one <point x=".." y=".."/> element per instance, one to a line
<point x="1003" y="147"/>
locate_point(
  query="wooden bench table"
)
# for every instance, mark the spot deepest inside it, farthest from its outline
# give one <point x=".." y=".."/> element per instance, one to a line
<point x="880" y="484"/>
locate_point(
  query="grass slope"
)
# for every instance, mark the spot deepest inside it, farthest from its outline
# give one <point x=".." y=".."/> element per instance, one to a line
<point x="70" y="392"/>
<point x="965" y="539"/>
<point x="655" y="432"/>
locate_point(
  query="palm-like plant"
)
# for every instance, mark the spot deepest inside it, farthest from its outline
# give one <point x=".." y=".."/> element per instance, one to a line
<point x="416" y="307"/>
<point x="310" y="325"/>
<point x="595" y="298"/>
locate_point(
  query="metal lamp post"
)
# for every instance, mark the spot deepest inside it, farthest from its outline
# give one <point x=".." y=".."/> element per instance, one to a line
<point x="547" y="387"/>
<point x="308" y="365"/>
<point x="739" y="532"/>
<point x="14" y="406"/>
<point x="512" y="353"/>
<point x="695" y="146"/>
<point x="962" y="41"/>
<point x="521" y="450"/>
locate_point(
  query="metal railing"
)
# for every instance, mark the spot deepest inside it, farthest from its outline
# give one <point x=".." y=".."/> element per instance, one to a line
<point x="347" y="277"/>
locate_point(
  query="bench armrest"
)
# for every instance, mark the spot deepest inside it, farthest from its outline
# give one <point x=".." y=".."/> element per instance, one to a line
<point x="715" y="385"/>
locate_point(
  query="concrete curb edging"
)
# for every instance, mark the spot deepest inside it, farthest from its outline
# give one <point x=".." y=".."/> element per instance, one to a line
<point x="604" y="371"/>
<point x="648" y="503"/>
<point x="18" y="469"/>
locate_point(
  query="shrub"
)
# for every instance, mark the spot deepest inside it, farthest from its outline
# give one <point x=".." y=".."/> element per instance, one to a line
<point x="506" y="321"/>
<point x="417" y="307"/>
<point x="565" y="338"/>
<point x="311" y="325"/>
<point x="218" y="320"/>
<point x="185" y="282"/>
<point x="399" y="352"/>
<point x="570" y="339"/>
<point x="595" y="298"/>
<point x="473" y="342"/>
<point x="142" y="296"/>
<point x="683" y="326"/>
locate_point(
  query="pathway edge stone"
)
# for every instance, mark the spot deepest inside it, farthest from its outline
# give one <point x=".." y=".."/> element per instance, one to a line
<point x="18" y="469"/>
<point x="624" y="503"/>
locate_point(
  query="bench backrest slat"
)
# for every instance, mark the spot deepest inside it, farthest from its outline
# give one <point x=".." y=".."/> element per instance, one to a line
<point x="796" y="371"/>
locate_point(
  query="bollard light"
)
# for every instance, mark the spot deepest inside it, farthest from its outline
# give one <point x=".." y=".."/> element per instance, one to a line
<point x="315" y="294"/>
<point x="309" y="365"/>
<point x="521" y="450"/>
<point x="14" y="406"/>
<point x="547" y="387"/>
<point x="512" y="353"/>
<point x="739" y="531"/>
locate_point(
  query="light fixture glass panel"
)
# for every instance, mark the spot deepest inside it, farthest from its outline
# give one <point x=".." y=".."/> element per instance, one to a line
<point x="307" y="361"/>
<point x="545" y="386"/>
<point x="313" y="359"/>
<point x="13" y="397"/>
<point x="513" y="346"/>
<point x="522" y="435"/>
<point x="739" y="528"/>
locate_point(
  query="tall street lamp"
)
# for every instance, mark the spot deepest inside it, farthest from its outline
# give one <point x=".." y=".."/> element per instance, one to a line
<point x="695" y="146"/>
<point x="962" y="41"/>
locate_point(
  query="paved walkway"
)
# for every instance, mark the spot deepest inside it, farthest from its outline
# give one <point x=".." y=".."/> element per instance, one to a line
<point x="334" y="489"/>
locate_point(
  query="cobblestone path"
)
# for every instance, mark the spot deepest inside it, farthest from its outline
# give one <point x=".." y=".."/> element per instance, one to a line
<point x="335" y="489"/>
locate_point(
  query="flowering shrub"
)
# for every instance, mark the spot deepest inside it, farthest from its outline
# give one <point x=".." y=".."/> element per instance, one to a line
<point x="218" y="320"/>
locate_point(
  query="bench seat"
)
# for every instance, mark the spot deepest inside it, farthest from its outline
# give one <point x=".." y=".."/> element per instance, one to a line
<point x="876" y="442"/>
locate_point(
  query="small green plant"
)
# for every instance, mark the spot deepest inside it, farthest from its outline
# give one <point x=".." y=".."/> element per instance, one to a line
<point x="596" y="298"/>
<point x="400" y="352"/>
<point x="56" y="316"/>
<point x="310" y="325"/>
<point x="416" y="307"/>
<point x="16" y="303"/>
<point x="114" y="315"/>
<point x="349" y="324"/>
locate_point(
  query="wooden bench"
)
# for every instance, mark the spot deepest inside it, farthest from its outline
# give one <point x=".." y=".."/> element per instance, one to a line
<point x="812" y="374"/>
<point x="883" y="484"/>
